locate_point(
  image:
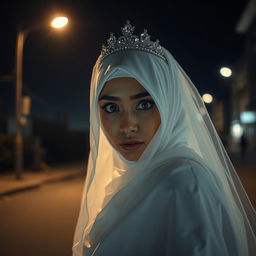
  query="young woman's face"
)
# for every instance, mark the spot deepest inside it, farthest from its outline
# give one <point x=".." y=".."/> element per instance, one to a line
<point x="129" y="116"/>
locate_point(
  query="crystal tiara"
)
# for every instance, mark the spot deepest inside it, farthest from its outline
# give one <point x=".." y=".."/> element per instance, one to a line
<point x="129" y="41"/>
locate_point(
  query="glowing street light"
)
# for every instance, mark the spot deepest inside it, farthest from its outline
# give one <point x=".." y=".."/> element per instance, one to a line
<point x="59" y="22"/>
<point x="22" y="34"/>
<point x="225" y="71"/>
<point x="236" y="129"/>
<point x="207" y="98"/>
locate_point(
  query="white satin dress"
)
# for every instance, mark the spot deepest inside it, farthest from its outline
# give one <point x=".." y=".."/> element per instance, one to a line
<point x="182" y="214"/>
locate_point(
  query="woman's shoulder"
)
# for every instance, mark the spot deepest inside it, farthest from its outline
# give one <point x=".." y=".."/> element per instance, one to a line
<point x="189" y="175"/>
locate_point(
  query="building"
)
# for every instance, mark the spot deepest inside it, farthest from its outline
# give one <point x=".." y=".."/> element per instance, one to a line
<point x="243" y="95"/>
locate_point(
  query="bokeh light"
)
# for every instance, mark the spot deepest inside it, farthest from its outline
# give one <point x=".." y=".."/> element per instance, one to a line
<point x="225" y="71"/>
<point x="236" y="129"/>
<point x="59" y="22"/>
<point x="207" y="98"/>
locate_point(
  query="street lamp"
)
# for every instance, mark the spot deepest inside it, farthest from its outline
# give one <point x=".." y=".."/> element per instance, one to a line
<point x="207" y="98"/>
<point x="21" y="37"/>
<point x="236" y="130"/>
<point x="59" y="22"/>
<point x="225" y="71"/>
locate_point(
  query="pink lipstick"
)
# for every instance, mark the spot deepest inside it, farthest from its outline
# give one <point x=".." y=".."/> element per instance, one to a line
<point x="131" y="144"/>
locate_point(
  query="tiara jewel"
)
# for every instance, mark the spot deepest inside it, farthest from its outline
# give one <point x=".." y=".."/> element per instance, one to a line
<point x="129" y="41"/>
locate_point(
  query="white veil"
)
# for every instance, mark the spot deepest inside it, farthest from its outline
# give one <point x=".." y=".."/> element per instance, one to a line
<point x="186" y="131"/>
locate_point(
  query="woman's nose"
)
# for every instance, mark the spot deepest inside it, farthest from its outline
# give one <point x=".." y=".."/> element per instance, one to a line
<point x="129" y="124"/>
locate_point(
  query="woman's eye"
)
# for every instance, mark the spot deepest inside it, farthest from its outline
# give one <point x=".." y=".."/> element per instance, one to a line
<point x="145" y="105"/>
<point x="111" y="108"/>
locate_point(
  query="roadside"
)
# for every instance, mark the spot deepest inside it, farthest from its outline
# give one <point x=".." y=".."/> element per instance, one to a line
<point x="30" y="180"/>
<point x="246" y="170"/>
<point x="245" y="167"/>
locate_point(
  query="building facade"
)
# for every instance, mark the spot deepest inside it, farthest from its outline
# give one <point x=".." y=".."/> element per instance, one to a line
<point x="243" y="94"/>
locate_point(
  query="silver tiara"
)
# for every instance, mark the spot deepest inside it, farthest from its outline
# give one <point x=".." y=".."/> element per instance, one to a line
<point x="129" y="41"/>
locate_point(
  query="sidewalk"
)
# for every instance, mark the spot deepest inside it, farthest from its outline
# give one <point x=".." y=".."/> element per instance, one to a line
<point x="30" y="180"/>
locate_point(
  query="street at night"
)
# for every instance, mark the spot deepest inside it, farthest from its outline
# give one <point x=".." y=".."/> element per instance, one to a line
<point x="139" y="97"/>
<point x="40" y="222"/>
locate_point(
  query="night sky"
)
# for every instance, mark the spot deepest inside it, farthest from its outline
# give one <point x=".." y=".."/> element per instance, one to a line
<point x="57" y="64"/>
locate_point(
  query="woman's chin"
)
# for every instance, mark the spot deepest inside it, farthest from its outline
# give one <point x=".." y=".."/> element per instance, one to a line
<point x="131" y="156"/>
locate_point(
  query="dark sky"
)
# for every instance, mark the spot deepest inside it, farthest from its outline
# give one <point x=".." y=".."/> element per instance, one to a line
<point x="57" y="66"/>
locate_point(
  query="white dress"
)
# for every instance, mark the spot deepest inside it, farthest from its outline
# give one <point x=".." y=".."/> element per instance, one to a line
<point x="180" y="215"/>
<point x="194" y="206"/>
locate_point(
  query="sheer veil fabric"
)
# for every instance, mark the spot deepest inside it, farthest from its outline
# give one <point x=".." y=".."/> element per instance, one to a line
<point x="113" y="183"/>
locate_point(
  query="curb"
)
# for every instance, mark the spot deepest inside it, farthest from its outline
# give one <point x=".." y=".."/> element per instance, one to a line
<point x="14" y="191"/>
<point x="35" y="185"/>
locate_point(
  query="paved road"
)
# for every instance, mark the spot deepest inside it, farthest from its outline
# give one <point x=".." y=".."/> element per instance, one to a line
<point x="40" y="222"/>
<point x="247" y="175"/>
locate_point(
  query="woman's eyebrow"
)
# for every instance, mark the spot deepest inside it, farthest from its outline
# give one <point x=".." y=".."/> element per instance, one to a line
<point x="140" y="95"/>
<point x="113" y="98"/>
<point x="107" y="97"/>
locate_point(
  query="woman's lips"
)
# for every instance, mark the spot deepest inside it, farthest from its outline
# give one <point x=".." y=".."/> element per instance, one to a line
<point x="131" y="145"/>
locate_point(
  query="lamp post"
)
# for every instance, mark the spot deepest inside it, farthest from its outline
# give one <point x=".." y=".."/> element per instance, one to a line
<point x="21" y="37"/>
<point x="226" y="74"/>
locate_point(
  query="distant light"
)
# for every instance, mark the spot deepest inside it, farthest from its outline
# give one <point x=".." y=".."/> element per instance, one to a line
<point x="236" y="129"/>
<point x="226" y="72"/>
<point x="248" y="117"/>
<point x="23" y="119"/>
<point x="26" y="105"/>
<point x="207" y="98"/>
<point x="59" y="22"/>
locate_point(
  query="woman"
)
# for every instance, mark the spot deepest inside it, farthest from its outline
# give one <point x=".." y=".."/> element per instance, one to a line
<point x="159" y="181"/>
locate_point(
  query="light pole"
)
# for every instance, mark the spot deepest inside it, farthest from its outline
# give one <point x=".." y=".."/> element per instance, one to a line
<point x="226" y="74"/>
<point x="21" y="37"/>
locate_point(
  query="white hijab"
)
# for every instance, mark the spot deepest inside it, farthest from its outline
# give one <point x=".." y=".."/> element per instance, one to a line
<point x="186" y="131"/>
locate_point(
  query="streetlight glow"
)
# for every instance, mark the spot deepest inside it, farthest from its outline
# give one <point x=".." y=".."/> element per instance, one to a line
<point x="59" y="22"/>
<point x="226" y="72"/>
<point x="22" y="106"/>
<point x="236" y="129"/>
<point x="207" y="98"/>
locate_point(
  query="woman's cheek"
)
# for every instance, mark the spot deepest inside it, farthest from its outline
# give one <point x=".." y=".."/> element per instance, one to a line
<point x="152" y="119"/>
<point x="110" y="123"/>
